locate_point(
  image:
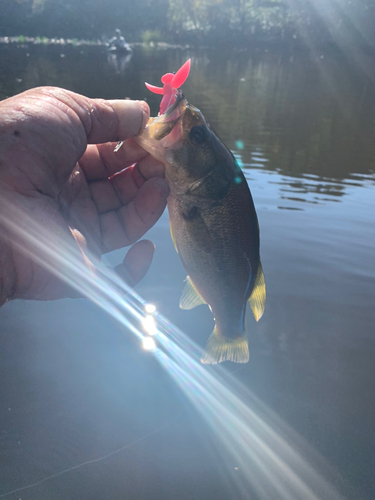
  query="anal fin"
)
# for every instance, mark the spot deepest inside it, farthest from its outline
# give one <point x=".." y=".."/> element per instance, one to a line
<point x="258" y="295"/>
<point x="190" y="297"/>
<point x="220" y="348"/>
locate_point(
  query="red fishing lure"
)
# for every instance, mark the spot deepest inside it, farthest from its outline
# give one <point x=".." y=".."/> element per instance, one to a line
<point x="172" y="82"/>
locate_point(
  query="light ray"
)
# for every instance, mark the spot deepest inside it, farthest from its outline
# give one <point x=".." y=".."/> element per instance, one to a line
<point x="149" y="325"/>
<point x="243" y="428"/>
<point x="149" y="344"/>
<point x="269" y="463"/>
<point x="150" y="308"/>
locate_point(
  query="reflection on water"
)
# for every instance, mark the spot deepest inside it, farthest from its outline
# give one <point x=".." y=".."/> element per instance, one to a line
<point x="294" y="115"/>
<point x="302" y="129"/>
<point x="118" y="62"/>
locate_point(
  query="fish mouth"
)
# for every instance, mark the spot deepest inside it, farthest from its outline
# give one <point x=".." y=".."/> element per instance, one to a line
<point x="164" y="131"/>
<point x="175" y="106"/>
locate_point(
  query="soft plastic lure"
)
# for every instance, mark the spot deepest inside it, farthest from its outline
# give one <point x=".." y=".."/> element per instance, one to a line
<point x="172" y="82"/>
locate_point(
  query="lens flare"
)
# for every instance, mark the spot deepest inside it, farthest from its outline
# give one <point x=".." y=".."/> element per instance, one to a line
<point x="270" y="458"/>
<point x="148" y="344"/>
<point x="150" y="308"/>
<point x="149" y="325"/>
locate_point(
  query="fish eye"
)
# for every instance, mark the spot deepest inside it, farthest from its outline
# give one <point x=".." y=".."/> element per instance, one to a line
<point x="198" y="135"/>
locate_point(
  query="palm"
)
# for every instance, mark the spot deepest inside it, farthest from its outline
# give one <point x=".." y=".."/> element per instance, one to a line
<point x="101" y="204"/>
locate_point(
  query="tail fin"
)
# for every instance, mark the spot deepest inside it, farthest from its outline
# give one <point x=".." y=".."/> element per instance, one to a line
<point x="220" y="349"/>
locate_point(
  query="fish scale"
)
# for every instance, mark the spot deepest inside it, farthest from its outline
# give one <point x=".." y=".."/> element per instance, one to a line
<point x="223" y="276"/>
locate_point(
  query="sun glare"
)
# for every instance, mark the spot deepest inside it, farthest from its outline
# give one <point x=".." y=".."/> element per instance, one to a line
<point x="150" y="308"/>
<point x="242" y="426"/>
<point x="148" y="344"/>
<point x="149" y="325"/>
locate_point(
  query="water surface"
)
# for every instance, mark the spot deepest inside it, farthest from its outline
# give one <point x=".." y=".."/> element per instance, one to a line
<point x="74" y="388"/>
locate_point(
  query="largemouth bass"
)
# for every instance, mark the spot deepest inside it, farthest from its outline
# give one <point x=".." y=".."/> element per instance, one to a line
<point x="213" y="224"/>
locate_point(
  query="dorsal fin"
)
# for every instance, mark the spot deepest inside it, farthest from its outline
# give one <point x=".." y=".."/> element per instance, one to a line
<point x="258" y="295"/>
<point x="190" y="298"/>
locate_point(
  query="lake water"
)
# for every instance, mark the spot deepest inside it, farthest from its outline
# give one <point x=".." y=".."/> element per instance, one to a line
<point x="74" y="388"/>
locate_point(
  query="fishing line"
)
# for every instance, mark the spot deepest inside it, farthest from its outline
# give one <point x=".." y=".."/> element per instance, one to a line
<point x="93" y="461"/>
<point x="104" y="457"/>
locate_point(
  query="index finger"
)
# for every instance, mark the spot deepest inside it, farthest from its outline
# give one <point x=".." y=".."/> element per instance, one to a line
<point x="100" y="161"/>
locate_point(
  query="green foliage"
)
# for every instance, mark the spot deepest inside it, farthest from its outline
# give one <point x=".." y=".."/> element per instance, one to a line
<point x="148" y="36"/>
<point x="82" y="19"/>
<point x="244" y="19"/>
<point x="38" y="6"/>
<point x="210" y="22"/>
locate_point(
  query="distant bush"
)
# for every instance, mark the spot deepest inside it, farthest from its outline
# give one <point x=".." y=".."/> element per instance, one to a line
<point x="148" y="36"/>
<point x="198" y="22"/>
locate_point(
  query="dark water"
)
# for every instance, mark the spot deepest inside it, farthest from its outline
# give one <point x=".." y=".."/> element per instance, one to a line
<point x="74" y="389"/>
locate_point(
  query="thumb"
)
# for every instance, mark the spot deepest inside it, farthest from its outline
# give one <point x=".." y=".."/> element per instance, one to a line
<point x="53" y="127"/>
<point x="116" y="120"/>
<point x="102" y="120"/>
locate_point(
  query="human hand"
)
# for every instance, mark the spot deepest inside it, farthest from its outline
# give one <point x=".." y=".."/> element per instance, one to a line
<point x="74" y="192"/>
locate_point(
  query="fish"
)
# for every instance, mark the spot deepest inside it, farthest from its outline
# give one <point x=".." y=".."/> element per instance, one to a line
<point x="213" y="224"/>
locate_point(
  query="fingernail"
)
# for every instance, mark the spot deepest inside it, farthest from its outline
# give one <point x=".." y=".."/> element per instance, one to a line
<point x="132" y="116"/>
<point x="163" y="187"/>
<point x="146" y="113"/>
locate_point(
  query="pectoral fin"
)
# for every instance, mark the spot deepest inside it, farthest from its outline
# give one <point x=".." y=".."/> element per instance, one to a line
<point x="197" y="229"/>
<point x="258" y="295"/>
<point x="190" y="298"/>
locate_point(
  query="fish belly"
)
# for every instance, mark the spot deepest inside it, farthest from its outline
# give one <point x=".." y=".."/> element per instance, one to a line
<point x="219" y="247"/>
